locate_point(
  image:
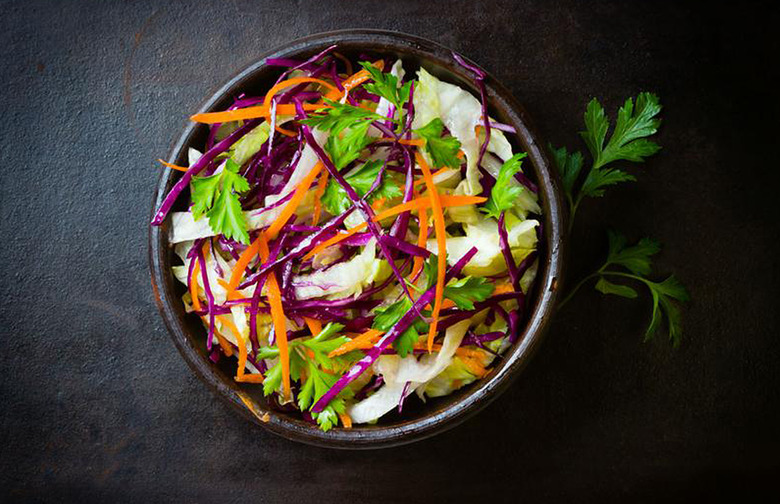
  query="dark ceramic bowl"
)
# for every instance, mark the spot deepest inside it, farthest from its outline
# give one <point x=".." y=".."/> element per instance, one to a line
<point x="418" y="420"/>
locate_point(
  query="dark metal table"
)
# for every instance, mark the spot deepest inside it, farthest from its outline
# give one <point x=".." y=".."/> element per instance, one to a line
<point x="97" y="405"/>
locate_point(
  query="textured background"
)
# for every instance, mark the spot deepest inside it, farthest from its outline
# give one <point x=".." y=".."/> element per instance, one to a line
<point x="98" y="406"/>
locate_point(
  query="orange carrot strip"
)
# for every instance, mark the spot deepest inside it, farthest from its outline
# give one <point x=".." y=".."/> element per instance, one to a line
<point x="332" y="241"/>
<point x="423" y="236"/>
<point x="417" y="142"/>
<point x="314" y="325"/>
<point x="437" y="172"/>
<point x="226" y="348"/>
<point x="363" y="341"/>
<point x="241" y="343"/>
<point x="503" y="288"/>
<point x="474" y="366"/>
<point x="321" y="185"/>
<point x="441" y="240"/>
<point x="232" y="295"/>
<point x="346" y="420"/>
<point x="378" y="203"/>
<point x="283" y="85"/>
<point x="353" y="81"/>
<point x="243" y="261"/>
<point x="253" y="112"/>
<point x="173" y="166"/>
<point x="194" y="284"/>
<point x="250" y="378"/>
<point x="292" y="205"/>
<point x="278" y="318"/>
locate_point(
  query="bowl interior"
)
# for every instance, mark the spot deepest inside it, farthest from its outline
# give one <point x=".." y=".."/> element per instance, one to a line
<point x="419" y="419"/>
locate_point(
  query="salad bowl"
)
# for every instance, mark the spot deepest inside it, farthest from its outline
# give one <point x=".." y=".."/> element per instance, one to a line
<point x="419" y="420"/>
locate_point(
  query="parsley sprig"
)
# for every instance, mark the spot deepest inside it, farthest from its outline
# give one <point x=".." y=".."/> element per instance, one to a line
<point x="309" y="363"/>
<point x="386" y="86"/>
<point x="216" y="196"/>
<point x="628" y="142"/>
<point x="335" y="199"/>
<point x="634" y="263"/>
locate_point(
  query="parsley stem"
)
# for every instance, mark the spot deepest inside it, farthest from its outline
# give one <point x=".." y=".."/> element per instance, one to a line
<point x="628" y="275"/>
<point x="577" y="287"/>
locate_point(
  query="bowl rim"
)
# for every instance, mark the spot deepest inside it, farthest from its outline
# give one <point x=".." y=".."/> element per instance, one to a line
<point x="483" y="391"/>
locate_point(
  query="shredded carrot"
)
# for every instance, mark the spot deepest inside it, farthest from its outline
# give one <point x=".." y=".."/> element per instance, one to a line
<point x="243" y="261"/>
<point x="346" y="420"/>
<point x="475" y="367"/>
<point x="285" y="84"/>
<point x="361" y="342"/>
<point x="194" y="284"/>
<point x="173" y="166"/>
<point x="417" y="142"/>
<point x="378" y="203"/>
<point x="354" y="80"/>
<point x="241" y="343"/>
<point x="447" y="303"/>
<point x="332" y="241"/>
<point x="441" y="239"/>
<point x="314" y="325"/>
<point x="416" y="204"/>
<point x="503" y="288"/>
<point x="250" y="378"/>
<point x="321" y="185"/>
<point x="278" y="318"/>
<point x="253" y="112"/>
<point x="436" y="173"/>
<point x="292" y="205"/>
<point x="226" y="348"/>
<point x="232" y="295"/>
<point x="421" y="238"/>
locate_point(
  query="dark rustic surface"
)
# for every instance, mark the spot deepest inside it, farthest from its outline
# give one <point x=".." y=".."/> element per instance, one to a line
<point x="97" y="405"/>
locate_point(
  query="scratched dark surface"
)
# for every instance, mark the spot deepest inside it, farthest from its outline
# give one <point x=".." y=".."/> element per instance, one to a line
<point x="97" y="405"/>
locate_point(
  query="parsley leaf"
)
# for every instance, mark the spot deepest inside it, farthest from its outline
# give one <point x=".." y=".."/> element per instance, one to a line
<point x="345" y="147"/>
<point x="443" y="150"/>
<point x="467" y="290"/>
<point x="628" y="142"/>
<point x="335" y="199"/>
<point x="386" y="86"/>
<point x="637" y="260"/>
<point x="216" y="196"/>
<point x="309" y="363"/>
<point x="386" y="317"/>
<point x="569" y="166"/>
<point x="340" y="116"/>
<point x="505" y="192"/>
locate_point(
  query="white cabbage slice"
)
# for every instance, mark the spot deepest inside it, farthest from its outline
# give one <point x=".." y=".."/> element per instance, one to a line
<point x="461" y="113"/>
<point x="483" y="234"/>
<point x="343" y="279"/>
<point x="396" y="372"/>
